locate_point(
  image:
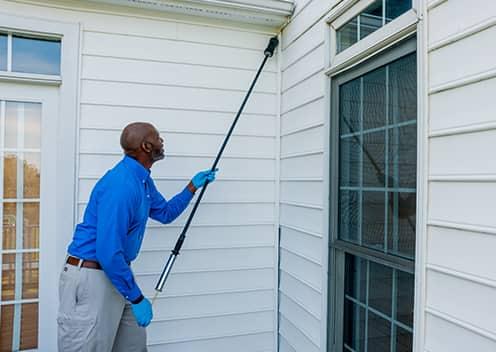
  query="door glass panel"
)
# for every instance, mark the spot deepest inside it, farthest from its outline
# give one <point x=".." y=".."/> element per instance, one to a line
<point x="20" y="168"/>
<point x="3" y="52"/>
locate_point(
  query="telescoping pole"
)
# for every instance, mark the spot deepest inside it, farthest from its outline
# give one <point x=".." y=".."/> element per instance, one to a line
<point x="269" y="52"/>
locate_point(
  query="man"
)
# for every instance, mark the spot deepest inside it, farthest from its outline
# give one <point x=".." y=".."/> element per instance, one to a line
<point x="101" y="306"/>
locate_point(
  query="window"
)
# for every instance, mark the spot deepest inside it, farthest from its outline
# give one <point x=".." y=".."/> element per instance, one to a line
<point x="373" y="210"/>
<point x="372" y="18"/>
<point x="29" y="54"/>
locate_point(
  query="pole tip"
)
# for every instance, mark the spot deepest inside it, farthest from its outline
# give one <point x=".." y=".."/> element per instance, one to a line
<point x="273" y="43"/>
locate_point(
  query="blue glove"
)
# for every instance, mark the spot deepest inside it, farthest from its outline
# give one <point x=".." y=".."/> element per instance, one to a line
<point x="143" y="312"/>
<point x="202" y="177"/>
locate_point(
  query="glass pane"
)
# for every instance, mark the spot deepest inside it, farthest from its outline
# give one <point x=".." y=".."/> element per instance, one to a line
<point x="371" y="19"/>
<point x="9" y="225"/>
<point x="395" y="8"/>
<point x="403" y="156"/>
<point x="354" y="326"/>
<point x="403" y="89"/>
<point x="30" y="275"/>
<point x="348" y="216"/>
<point x="374" y="99"/>
<point x="3" y="52"/>
<point x="349" y="107"/>
<point x="35" y="55"/>
<point x="31" y="224"/>
<point x="373" y="159"/>
<point x="10" y="176"/>
<point x="404" y="297"/>
<point x="6" y="324"/>
<point x="32" y="125"/>
<point x="356" y="278"/>
<point x="347" y="35"/>
<point x="29" y="326"/>
<point x="11" y="112"/>
<point x="401" y="224"/>
<point x="31" y="175"/>
<point x="379" y="334"/>
<point x="8" y="276"/>
<point x="380" y="287"/>
<point x="404" y="340"/>
<point x="349" y="161"/>
<point x="374" y="207"/>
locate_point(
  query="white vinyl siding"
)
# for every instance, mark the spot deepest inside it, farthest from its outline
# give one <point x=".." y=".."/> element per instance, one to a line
<point x="462" y="228"/>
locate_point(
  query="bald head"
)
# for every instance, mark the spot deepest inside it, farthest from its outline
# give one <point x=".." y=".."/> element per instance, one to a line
<point x="134" y="134"/>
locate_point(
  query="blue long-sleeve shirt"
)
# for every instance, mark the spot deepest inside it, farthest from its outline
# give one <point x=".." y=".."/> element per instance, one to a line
<point x="115" y="219"/>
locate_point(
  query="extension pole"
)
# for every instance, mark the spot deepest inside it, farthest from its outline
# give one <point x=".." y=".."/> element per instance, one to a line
<point x="269" y="52"/>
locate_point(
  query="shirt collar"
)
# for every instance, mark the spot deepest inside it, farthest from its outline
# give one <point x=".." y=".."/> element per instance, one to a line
<point x="137" y="168"/>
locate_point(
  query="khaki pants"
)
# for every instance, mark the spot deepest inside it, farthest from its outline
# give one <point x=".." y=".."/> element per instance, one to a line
<point x="93" y="316"/>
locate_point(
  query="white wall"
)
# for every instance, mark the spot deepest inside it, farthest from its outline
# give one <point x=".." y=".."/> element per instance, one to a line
<point x="461" y="275"/>
<point x="189" y="80"/>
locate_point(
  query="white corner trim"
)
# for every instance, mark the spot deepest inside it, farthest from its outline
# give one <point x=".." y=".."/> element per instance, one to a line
<point x="273" y="13"/>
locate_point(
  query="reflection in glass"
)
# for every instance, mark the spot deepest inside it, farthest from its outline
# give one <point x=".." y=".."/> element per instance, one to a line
<point x="371" y="19"/>
<point x="31" y="164"/>
<point x="373" y="159"/>
<point x="395" y="8"/>
<point x="347" y="35"/>
<point x="9" y="225"/>
<point x="403" y="89"/>
<point x="8" y="276"/>
<point x="35" y="55"/>
<point x="404" y="297"/>
<point x="11" y="122"/>
<point x="29" y="326"/>
<point x="354" y="326"/>
<point x="349" y="107"/>
<point x="6" y="327"/>
<point x="379" y="333"/>
<point x="404" y="340"/>
<point x="380" y="288"/>
<point x="356" y="278"/>
<point x="10" y="176"/>
<point x="349" y="160"/>
<point x="3" y="52"/>
<point x="31" y="225"/>
<point x="349" y="216"/>
<point x="30" y="275"/>
<point x="374" y="99"/>
<point x="401" y="224"/>
<point x="32" y="125"/>
<point x="373" y="220"/>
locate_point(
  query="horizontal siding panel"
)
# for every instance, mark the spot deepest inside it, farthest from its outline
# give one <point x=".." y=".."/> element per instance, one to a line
<point x="97" y="165"/>
<point x="304" y="166"/>
<point x="227" y="303"/>
<point x="204" y="327"/>
<point x="308" y="297"/>
<point x="212" y="259"/>
<point x="301" y="268"/>
<point x="124" y="46"/>
<point x="301" y="243"/>
<point x="472" y="104"/>
<point x="167" y="120"/>
<point x="445" y="336"/>
<point x="295" y="337"/>
<point x="174" y="74"/>
<point x="94" y="141"/>
<point x="477" y="149"/>
<point x="308" y="90"/>
<point x="463" y="58"/>
<point x="305" y="218"/>
<point x="468" y="203"/>
<point x="257" y="342"/>
<point x="441" y="18"/>
<point x="210" y="282"/>
<point x="308" y="140"/>
<point x="307" y="192"/>
<point x="220" y="191"/>
<point x="300" y="318"/>
<point x="469" y="252"/>
<point x="471" y="303"/>
<point x="154" y="96"/>
<point x="303" y="116"/>
<point x="305" y="67"/>
<point x="308" y="41"/>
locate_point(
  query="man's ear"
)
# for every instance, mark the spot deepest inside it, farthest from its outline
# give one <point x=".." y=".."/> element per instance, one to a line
<point x="147" y="147"/>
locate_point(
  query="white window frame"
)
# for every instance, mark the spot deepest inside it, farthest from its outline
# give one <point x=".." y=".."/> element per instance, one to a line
<point x="410" y="23"/>
<point x="58" y="216"/>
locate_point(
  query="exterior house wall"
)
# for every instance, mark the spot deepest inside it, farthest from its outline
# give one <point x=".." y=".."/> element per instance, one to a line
<point x="188" y="78"/>
<point x="460" y="276"/>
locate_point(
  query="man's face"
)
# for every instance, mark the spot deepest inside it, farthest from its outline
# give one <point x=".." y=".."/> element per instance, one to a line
<point x="157" y="146"/>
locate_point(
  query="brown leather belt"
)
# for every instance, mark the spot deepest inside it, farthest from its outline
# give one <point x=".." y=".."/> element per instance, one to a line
<point x="86" y="263"/>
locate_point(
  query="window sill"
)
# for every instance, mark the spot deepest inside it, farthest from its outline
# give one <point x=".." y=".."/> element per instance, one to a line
<point x="51" y="80"/>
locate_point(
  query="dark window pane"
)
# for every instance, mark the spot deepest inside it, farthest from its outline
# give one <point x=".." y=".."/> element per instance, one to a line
<point x="371" y="19"/>
<point x="401" y="224"/>
<point x="373" y="159"/>
<point x="403" y="156"/>
<point x="349" y="107"/>
<point x="356" y="277"/>
<point x="347" y="35"/>
<point x="373" y="220"/>
<point x="349" y="162"/>
<point x="403" y="89"/>
<point x="6" y="327"/>
<point x="35" y="55"/>
<point x="8" y="276"/>
<point x="380" y="287"/>
<point x="404" y="340"/>
<point x="354" y="326"/>
<point x="348" y="216"/>
<point x="3" y="52"/>
<point x="374" y="99"/>
<point x="379" y="334"/>
<point x="404" y="297"/>
<point x="395" y="8"/>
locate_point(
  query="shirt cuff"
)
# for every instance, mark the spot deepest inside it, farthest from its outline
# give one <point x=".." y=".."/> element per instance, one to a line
<point x="133" y="294"/>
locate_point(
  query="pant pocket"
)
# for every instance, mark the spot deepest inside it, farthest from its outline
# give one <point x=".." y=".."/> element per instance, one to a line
<point x="76" y="333"/>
